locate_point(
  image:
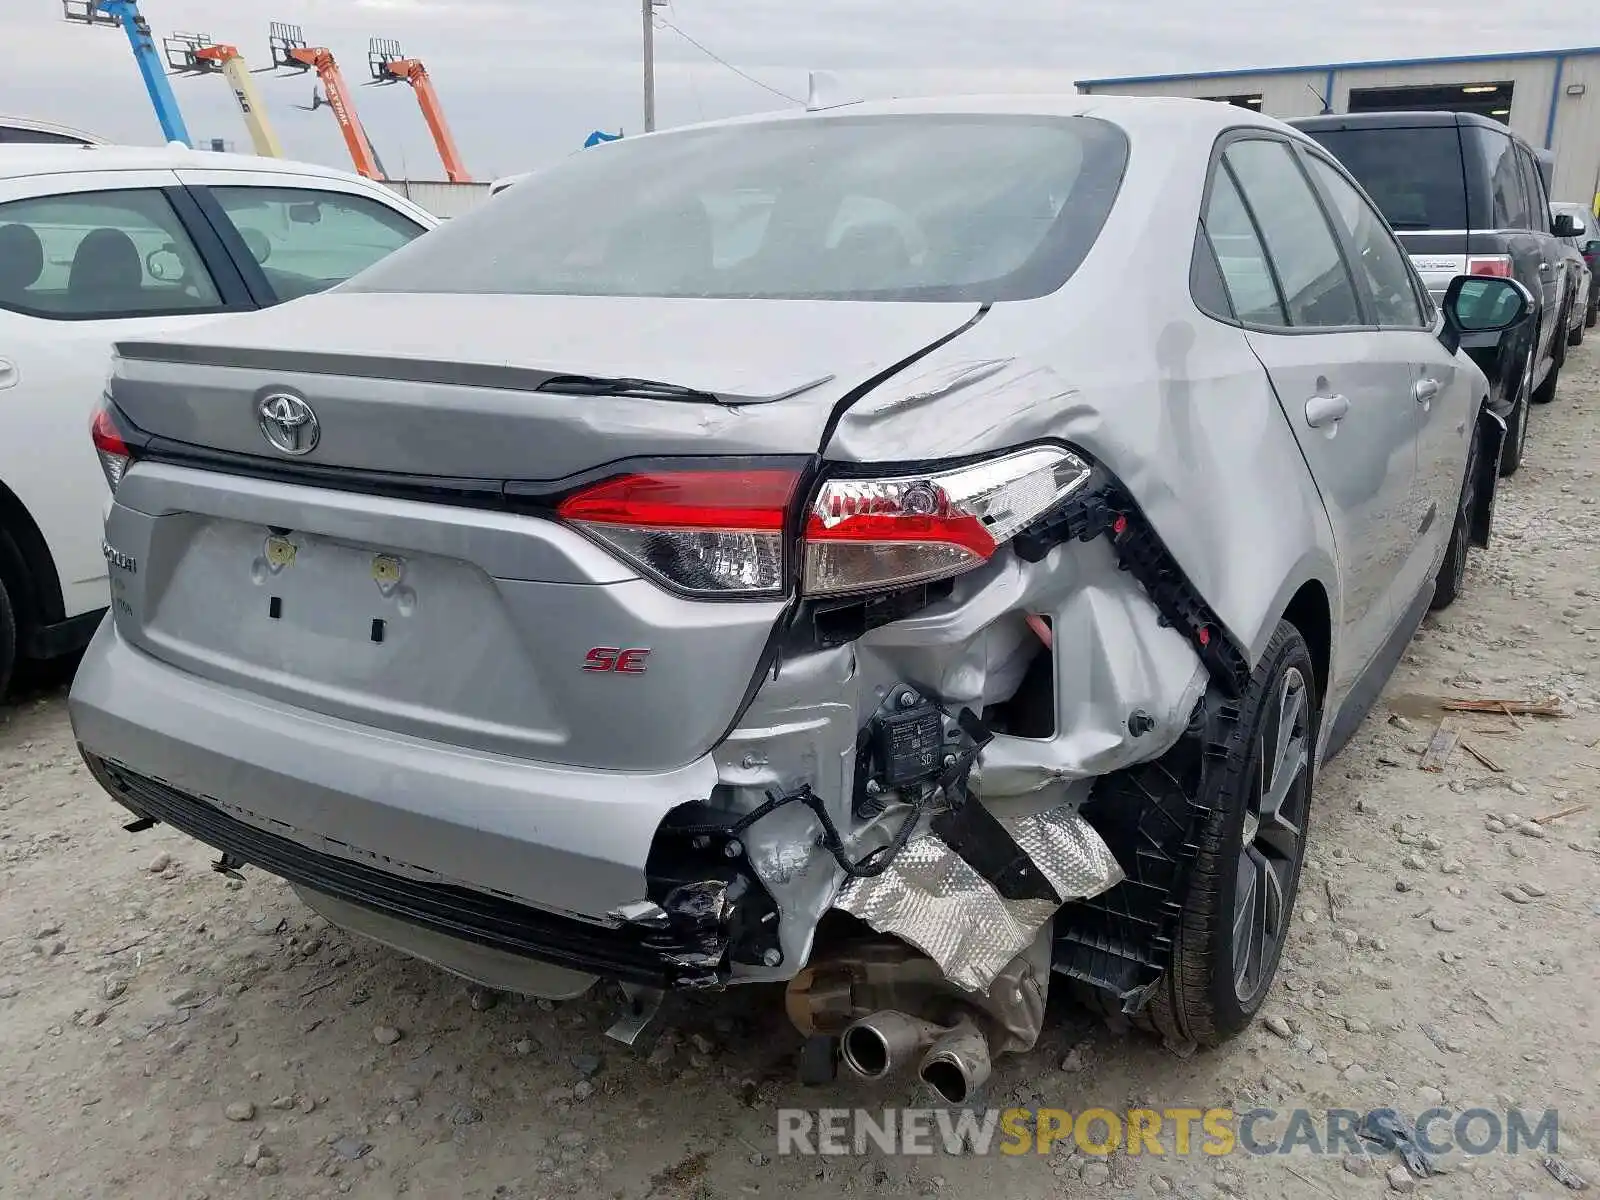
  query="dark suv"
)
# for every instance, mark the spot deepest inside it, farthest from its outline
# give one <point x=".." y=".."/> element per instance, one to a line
<point x="1466" y="197"/>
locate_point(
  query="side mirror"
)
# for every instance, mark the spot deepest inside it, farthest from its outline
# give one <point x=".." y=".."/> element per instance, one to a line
<point x="1566" y="225"/>
<point x="1483" y="304"/>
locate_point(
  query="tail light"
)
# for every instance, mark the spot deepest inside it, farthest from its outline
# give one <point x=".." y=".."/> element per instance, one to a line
<point x="709" y="533"/>
<point x="725" y="533"/>
<point x="866" y="535"/>
<point x="1498" y="265"/>
<point x="109" y="446"/>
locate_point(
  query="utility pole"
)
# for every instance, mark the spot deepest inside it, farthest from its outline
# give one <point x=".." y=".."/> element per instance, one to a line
<point x="649" y="65"/>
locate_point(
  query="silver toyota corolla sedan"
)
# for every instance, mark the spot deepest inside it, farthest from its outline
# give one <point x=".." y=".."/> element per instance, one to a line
<point x="912" y="552"/>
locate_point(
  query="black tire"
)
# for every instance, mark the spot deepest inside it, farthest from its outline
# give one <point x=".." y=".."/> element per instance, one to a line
<point x="1448" y="584"/>
<point x="1546" y="391"/>
<point x="1592" y="317"/>
<point x="1575" y="334"/>
<point x="8" y="639"/>
<point x="1198" y="998"/>
<point x="1517" y="423"/>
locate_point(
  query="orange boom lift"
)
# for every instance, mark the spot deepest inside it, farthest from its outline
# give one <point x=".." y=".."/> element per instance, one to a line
<point x="390" y="66"/>
<point x="290" y="53"/>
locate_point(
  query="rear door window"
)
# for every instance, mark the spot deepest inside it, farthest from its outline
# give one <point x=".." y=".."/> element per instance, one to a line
<point x="91" y="255"/>
<point x="306" y="239"/>
<point x="1310" y="267"/>
<point x="1533" y="185"/>
<point x="1413" y="175"/>
<point x="1378" y="258"/>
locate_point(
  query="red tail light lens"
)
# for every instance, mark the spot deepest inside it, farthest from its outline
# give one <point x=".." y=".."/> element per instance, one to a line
<point x="1498" y="265"/>
<point x="710" y="533"/>
<point x="865" y="535"/>
<point x="108" y="444"/>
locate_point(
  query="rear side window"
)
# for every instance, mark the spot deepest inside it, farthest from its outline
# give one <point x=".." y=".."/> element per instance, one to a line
<point x="307" y="240"/>
<point x="915" y="207"/>
<point x="1310" y="267"/>
<point x="1508" y="192"/>
<point x="88" y="255"/>
<point x="1533" y="185"/>
<point x="1241" y="257"/>
<point x="1413" y="175"/>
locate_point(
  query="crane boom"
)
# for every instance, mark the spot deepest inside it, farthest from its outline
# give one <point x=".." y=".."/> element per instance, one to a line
<point x="290" y="52"/>
<point x="126" y="14"/>
<point x="390" y="66"/>
<point x="198" y="54"/>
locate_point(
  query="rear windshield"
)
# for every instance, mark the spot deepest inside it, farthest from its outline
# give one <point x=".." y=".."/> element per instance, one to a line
<point x="1413" y="175"/>
<point x="913" y="207"/>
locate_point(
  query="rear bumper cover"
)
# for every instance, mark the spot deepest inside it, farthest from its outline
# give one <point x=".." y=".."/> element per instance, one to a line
<point x="569" y="842"/>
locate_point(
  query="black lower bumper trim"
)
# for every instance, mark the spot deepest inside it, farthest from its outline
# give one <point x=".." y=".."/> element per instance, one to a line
<point x="64" y="637"/>
<point x="631" y="954"/>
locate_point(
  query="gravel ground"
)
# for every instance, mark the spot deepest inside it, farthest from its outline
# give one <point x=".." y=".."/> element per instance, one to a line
<point x="171" y="1033"/>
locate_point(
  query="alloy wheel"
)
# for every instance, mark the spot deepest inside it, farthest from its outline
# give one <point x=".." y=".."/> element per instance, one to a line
<point x="1273" y="829"/>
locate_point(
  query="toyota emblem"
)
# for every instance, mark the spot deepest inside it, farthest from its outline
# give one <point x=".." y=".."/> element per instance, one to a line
<point x="288" y="423"/>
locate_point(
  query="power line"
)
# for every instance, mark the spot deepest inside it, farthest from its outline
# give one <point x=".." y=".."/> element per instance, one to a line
<point x="717" y="58"/>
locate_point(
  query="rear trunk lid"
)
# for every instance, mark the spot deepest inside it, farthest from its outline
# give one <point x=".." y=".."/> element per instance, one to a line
<point x="398" y="574"/>
<point x="459" y="386"/>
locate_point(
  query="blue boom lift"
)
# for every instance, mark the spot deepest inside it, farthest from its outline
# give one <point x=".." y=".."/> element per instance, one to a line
<point x="152" y="65"/>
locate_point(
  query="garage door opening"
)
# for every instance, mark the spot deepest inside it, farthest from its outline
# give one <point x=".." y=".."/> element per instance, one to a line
<point x="1488" y="99"/>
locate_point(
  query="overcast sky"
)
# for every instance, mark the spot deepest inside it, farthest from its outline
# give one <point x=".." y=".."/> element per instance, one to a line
<point x="524" y="81"/>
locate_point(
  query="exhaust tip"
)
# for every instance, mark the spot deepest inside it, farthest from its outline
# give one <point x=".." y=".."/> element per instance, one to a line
<point x="865" y="1051"/>
<point x="947" y="1080"/>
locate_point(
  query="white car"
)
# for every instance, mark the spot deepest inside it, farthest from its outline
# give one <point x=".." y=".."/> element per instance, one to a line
<point x="44" y="133"/>
<point x="103" y="242"/>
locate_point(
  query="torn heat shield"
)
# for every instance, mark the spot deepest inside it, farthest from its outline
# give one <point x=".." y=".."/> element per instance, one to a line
<point x="934" y="897"/>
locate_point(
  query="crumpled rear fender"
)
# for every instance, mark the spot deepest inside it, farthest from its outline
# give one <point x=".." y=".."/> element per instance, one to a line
<point x="1195" y="436"/>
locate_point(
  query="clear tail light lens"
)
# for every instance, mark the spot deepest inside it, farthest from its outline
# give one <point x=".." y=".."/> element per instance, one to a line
<point x="709" y="533"/>
<point x="864" y="535"/>
<point x="113" y="452"/>
<point x="1498" y="265"/>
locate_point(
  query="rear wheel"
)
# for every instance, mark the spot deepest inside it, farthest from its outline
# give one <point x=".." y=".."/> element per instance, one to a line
<point x="1592" y="317"/>
<point x="1256" y="786"/>
<point x="8" y="639"/>
<point x="1447" y="585"/>
<point x="1517" y="421"/>
<point x="1558" y="341"/>
<point x="1575" y="333"/>
<point x="1546" y="391"/>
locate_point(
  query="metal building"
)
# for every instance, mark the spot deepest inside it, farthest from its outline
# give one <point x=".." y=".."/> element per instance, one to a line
<point x="1550" y="97"/>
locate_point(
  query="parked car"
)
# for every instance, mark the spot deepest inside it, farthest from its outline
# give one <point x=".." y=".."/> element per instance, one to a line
<point x="1466" y="196"/>
<point x="44" y="133"/>
<point x="1575" y="310"/>
<point x="1587" y="242"/>
<point x="104" y="242"/>
<point x="957" y="581"/>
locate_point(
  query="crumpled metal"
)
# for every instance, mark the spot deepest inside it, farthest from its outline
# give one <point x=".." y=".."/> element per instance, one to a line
<point x="931" y="898"/>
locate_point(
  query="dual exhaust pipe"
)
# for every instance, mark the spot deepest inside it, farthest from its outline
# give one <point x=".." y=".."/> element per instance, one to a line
<point x="954" y="1060"/>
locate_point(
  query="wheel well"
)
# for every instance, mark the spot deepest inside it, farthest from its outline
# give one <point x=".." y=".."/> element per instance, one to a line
<point x="26" y="565"/>
<point x="1309" y="613"/>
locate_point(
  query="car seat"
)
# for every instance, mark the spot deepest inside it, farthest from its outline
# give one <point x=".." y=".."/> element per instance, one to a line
<point x="107" y="274"/>
<point x="21" y="261"/>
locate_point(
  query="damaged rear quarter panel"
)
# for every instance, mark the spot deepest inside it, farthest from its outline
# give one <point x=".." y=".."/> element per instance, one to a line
<point x="1170" y="401"/>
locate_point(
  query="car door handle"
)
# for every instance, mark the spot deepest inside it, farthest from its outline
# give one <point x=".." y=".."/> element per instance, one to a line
<point x="1544" y="268"/>
<point x="1326" y="410"/>
<point x="8" y="373"/>
<point x="1425" y="390"/>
